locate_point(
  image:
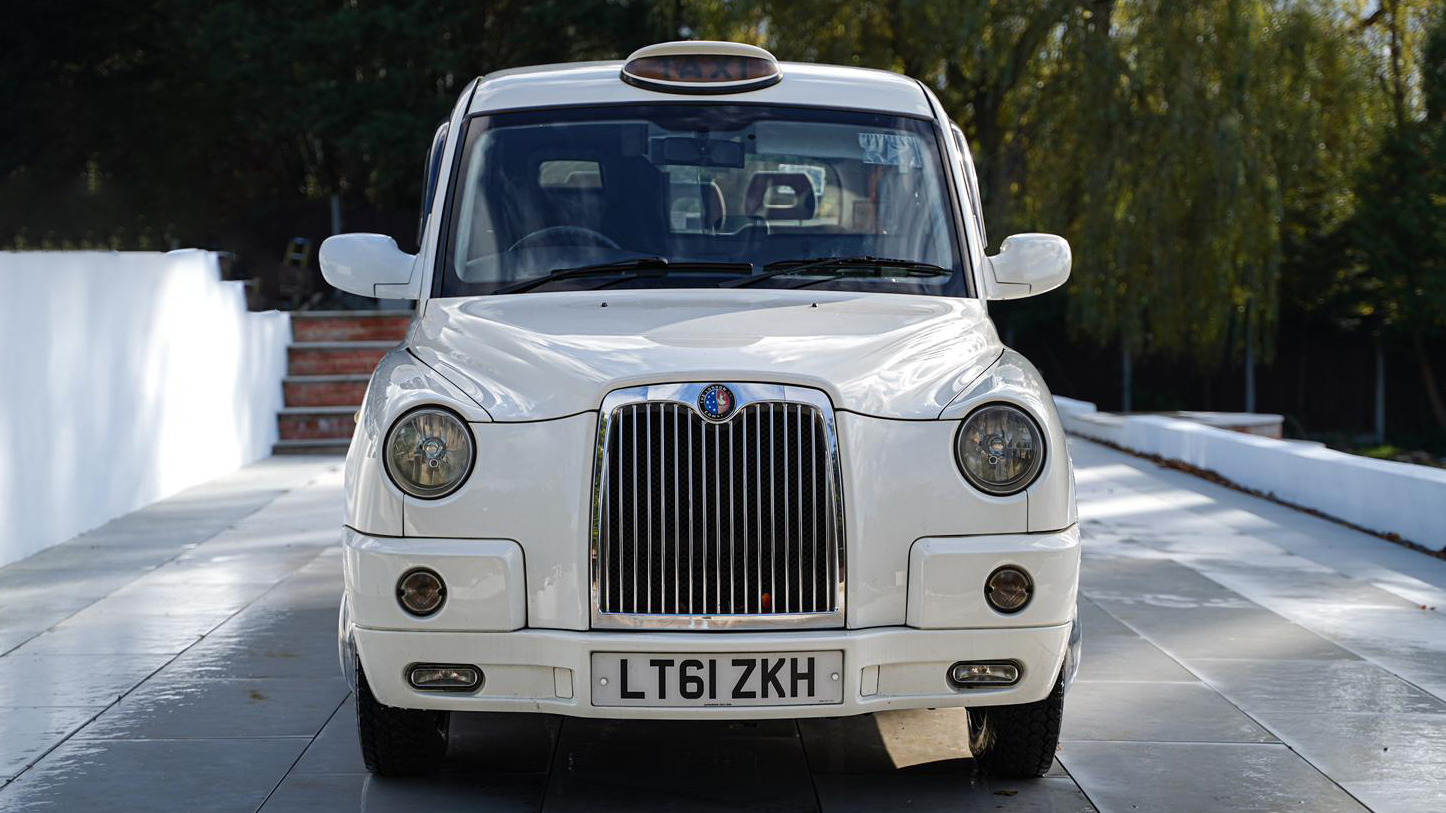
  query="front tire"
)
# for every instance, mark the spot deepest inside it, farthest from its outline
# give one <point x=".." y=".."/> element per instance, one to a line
<point x="398" y="742"/>
<point x="1018" y="741"/>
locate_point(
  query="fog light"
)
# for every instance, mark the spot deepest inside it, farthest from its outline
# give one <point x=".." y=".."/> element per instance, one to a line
<point x="1008" y="589"/>
<point x="983" y="674"/>
<point x="444" y="677"/>
<point x="421" y="592"/>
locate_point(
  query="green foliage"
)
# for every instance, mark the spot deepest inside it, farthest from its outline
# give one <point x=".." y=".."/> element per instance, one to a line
<point x="1212" y="162"/>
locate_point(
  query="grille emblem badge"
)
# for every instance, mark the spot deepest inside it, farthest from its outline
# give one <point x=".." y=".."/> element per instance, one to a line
<point x="716" y="401"/>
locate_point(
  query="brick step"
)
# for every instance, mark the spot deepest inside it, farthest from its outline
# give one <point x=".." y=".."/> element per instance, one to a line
<point x="316" y="423"/>
<point x="335" y="446"/>
<point x="325" y="390"/>
<point x="349" y="326"/>
<point x="335" y="358"/>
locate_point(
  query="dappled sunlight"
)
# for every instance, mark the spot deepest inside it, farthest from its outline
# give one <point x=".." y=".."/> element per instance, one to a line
<point x="1137" y="507"/>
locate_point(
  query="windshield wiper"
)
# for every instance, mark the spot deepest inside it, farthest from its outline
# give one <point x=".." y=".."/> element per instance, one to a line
<point x="840" y="267"/>
<point x="640" y="266"/>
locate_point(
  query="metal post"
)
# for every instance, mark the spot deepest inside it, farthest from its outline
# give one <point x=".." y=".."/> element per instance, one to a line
<point x="1249" y="358"/>
<point x="1126" y="402"/>
<point x="1380" y="390"/>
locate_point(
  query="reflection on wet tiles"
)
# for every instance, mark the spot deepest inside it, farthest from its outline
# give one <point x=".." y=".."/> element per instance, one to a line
<point x="1224" y="632"/>
<point x="71" y="680"/>
<point x="152" y="776"/>
<point x="1113" y="651"/>
<point x="119" y="635"/>
<point x="480" y="743"/>
<point x="1197" y="777"/>
<point x="684" y="765"/>
<point x="34" y="617"/>
<point x="304" y="654"/>
<point x="1135" y="580"/>
<point x="348" y="793"/>
<point x="1399" y="757"/>
<point x="30" y="732"/>
<point x="1155" y="712"/>
<point x="1311" y="686"/>
<point x="221" y="708"/>
<point x="11" y="640"/>
<point x="20" y="585"/>
<point x="138" y="598"/>
<point x="959" y="792"/>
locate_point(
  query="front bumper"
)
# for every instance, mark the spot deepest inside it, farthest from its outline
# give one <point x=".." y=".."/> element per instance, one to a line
<point x="484" y="623"/>
<point x="550" y="670"/>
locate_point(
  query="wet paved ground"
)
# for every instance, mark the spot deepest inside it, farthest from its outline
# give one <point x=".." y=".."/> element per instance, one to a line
<point x="1239" y="656"/>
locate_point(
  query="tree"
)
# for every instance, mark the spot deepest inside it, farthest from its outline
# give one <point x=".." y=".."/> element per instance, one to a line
<point x="1398" y="233"/>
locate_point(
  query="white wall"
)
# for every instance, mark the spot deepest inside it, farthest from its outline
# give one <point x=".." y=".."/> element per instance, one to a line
<point x="1379" y="495"/>
<point x="124" y="378"/>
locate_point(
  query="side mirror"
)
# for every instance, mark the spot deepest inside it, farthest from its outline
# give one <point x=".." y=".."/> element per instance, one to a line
<point x="370" y="265"/>
<point x="1026" y="265"/>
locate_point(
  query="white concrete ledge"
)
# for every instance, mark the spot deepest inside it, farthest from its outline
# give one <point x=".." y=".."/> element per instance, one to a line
<point x="126" y="377"/>
<point x="1378" y="495"/>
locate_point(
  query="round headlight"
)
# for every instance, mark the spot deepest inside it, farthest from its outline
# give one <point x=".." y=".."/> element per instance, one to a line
<point x="1000" y="449"/>
<point x="429" y="452"/>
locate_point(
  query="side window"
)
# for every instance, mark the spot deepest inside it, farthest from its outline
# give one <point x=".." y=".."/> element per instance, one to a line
<point x="430" y="173"/>
<point x="569" y="175"/>
<point x="976" y="203"/>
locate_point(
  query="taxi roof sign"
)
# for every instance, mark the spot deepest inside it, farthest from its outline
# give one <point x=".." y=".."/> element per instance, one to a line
<point x="701" y="66"/>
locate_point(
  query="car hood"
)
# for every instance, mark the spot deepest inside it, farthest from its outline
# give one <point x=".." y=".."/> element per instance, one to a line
<point x="533" y="357"/>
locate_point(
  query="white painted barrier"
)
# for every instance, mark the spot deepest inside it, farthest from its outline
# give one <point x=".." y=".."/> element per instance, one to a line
<point x="1379" y="495"/>
<point x="124" y="378"/>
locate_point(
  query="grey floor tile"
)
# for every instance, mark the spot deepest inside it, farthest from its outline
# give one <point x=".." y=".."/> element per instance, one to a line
<point x="336" y="749"/>
<point x="1155" y="712"/>
<point x="37" y="615"/>
<point x="1397" y="755"/>
<point x="1224" y="632"/>
<point x="1152" y="582"/>
<point x="1310" y="686"/>
<point x="501" y="743"/>
<point x="1393" y="796"/>
<point x="1113" y="651"/>
<point x="956" y="793"/>
<point x="1201" y="778"/>
<point x="348" y="793"/>
<point x="221" y="708"/>
<point x="72" y="680"/>
<point x="119" y="635"/>
<point x="30" y="732"/>
<point x="142" y="598"/>
<point x="11" y="640"/>
<point x="294" y="655"/>
<point x="645" y="765"/>
<point x="153" y="776"/>
<point x="19" y="584"/>
<point x="479" y="743"/>
<point x="224" y="569"/>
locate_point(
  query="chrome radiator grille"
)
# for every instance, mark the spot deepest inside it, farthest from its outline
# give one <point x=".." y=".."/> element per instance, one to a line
<point x="728" y="523"/>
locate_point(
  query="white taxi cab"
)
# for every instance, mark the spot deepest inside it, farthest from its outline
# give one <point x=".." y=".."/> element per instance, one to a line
<point x="702" y="415"/>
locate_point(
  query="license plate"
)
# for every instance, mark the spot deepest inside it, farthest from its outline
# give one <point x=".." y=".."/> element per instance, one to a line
<point x="739" y="679"/>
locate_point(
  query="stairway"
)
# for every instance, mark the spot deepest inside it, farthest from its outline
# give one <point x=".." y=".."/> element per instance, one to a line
<point x="329" y="362"/>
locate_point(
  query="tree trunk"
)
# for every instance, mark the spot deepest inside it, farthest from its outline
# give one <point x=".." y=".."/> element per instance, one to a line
<point x="1428" y="379"/>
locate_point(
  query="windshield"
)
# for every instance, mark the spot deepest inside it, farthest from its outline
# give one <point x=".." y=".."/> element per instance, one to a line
<point x="699" y="195"/>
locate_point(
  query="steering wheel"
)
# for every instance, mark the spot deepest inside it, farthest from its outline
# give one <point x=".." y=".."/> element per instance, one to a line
<point x="564" y="236"/>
